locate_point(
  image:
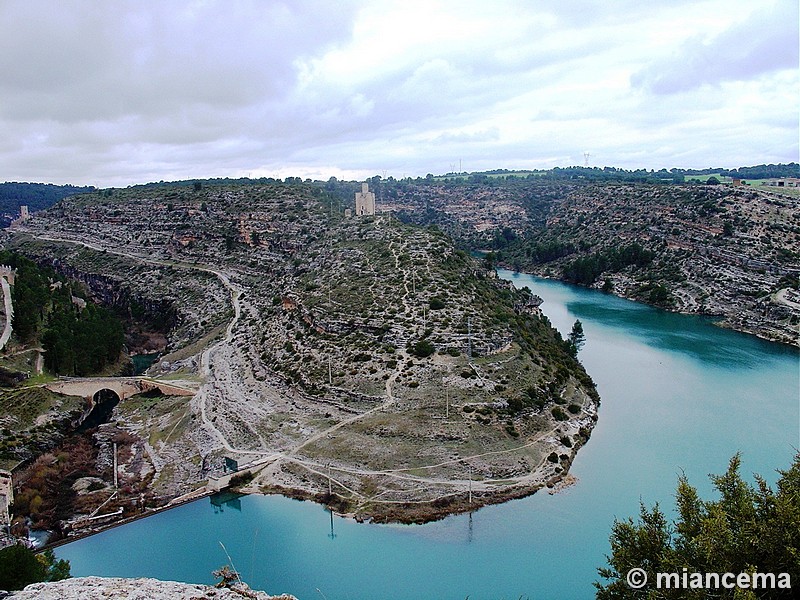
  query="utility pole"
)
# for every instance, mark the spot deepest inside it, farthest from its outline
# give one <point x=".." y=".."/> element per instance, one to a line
<point x="330" y="372"/>
<point x="116" y="482"/>
<point x="469" y="337"/>
<point x="447" y="397"/>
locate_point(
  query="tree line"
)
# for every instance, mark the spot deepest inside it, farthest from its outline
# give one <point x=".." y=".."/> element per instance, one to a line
<point x="79" y="337"/>
<point x="36" y="196"/>
<point x="586" y="269"/>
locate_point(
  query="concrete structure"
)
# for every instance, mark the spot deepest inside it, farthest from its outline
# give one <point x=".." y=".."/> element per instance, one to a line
<point x="123" y="387"/>
<point x="365" y="201"/>
<point x="783" y="182"/>
<point x="8" y="273"/>
<point x="6" y="497"/>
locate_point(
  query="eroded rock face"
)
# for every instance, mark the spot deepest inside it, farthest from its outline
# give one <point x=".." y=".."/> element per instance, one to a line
<point x="102" y="588"/>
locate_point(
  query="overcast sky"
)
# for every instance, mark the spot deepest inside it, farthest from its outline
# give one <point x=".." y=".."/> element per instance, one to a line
<point x="113" y="93"/>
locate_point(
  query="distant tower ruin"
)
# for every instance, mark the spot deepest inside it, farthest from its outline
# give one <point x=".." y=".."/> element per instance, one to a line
<point x="365" y="201"/>
<point x="23" y="212"/>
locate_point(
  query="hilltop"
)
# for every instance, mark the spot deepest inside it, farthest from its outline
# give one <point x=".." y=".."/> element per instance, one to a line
<point x="362" y="362"/>
<point x="731" y="252"/>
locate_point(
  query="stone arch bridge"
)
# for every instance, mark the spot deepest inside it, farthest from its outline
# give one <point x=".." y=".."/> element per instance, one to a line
<point x="123" y="387"/>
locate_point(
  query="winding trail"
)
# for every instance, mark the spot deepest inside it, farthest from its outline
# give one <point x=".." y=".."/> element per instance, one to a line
<point x="264" y="458"/>
<point x="9" y="308"/>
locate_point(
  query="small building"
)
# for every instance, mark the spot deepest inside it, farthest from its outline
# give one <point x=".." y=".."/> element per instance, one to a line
<point x="231" y="465"/>
<point x="783" y="182"/>
<point x="365" y="201"/>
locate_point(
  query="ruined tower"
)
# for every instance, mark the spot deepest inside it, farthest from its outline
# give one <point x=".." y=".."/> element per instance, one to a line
<point x="365" y="201"/>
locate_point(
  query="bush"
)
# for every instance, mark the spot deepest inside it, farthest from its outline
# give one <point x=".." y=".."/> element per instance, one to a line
<point x="436" y="303"/>
<point x="422" y="349"/>
<point x="559" y="414"/>
<point x="240" y="479"/>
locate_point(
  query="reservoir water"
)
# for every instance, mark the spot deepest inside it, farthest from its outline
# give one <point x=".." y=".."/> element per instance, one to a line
<point x="679" y="395"/>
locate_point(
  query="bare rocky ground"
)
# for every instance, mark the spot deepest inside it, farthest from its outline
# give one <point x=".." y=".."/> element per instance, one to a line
<point x="359" y="362"/>
<point x="103" y="588"/>
<point x="730" y="252"/>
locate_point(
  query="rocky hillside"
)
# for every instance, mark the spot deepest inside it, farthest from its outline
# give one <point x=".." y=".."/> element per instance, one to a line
<point x="732" y="252"/>
<point x="102" y="588"/>
<point x="363" y="362"/>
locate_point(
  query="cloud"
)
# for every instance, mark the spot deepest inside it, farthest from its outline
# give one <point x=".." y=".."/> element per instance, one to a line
<point x="79" y="61"/>
<point x="120" y="93"/>
<point x="765" y="42"/>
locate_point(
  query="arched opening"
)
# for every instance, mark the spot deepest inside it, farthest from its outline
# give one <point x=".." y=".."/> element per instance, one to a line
<point x="104" y="402"/>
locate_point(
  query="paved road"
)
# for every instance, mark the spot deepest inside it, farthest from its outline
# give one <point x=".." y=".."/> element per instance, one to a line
<point x="9" y="312"/>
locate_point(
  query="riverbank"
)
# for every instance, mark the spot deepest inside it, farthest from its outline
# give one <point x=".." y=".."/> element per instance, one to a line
<point x="553" y="477"/>
<point x="730" y="313"/>
<point x="688" y="397"/>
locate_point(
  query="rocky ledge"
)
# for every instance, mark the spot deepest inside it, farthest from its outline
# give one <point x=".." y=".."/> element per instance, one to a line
<point x="102" y="588"/>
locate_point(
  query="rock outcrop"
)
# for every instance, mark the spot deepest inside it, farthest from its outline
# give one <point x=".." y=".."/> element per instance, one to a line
<point x="103" y="588"/>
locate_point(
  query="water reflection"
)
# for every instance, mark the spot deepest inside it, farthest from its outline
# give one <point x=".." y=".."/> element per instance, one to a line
<point x="226" y="500"/>
<point x="332" y="534"/>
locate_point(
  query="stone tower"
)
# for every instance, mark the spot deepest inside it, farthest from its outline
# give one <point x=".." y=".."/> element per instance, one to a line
<point x="365" y="201"/>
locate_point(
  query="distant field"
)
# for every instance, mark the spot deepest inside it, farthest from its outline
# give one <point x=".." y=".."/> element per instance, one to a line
<point x="786" y="191"/>
<point x="706" y="176"/>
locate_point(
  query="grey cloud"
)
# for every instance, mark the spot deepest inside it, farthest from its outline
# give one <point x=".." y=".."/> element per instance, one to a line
<point x="124" y="92"/>
<point x="78" y="61"/>
<point x="490" y="134"/>
<point x="766" y="42"/>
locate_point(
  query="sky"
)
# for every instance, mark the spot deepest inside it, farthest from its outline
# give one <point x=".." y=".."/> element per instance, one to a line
<point x="115" y="93"/>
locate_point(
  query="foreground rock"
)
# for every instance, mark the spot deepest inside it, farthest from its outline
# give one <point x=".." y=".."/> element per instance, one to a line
<point x="97" y="588"/>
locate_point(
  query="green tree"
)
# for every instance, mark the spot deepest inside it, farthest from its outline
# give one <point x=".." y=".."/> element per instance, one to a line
<point x="727" y="228"/>
<point x="748" y="529"/>
<point x="20" y="566"/>
<point x="576" y="338"/>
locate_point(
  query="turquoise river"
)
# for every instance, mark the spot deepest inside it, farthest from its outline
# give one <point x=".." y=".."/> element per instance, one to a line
<point x="678" y="395"/>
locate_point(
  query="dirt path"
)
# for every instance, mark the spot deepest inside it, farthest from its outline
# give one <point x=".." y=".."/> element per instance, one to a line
<point x="263" y="457"/>
<point x="9" y="308"/>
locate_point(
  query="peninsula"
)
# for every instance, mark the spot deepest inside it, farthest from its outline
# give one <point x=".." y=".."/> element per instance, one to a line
<point x="356" y="360"/>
